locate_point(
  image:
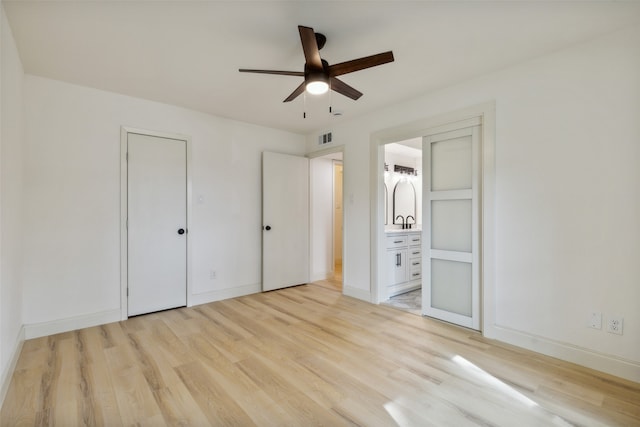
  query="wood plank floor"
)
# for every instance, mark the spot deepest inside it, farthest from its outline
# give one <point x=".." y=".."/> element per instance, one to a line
<point x="299" y="357"/>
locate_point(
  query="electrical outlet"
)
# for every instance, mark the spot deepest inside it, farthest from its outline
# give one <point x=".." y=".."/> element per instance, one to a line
<point x="595" y="321"/>
<point x="212" y="275"/>
<point x="614" y="324"/>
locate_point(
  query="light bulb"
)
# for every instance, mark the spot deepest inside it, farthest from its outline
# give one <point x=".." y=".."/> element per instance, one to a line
<point x="317" y="87"/>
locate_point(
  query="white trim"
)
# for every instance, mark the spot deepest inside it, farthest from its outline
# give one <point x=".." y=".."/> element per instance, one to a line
<point x="361" y="294"/>
<point x="124" y="131"/>
<point x="620" y="367"/>
<point x="123" y="224"/>
<point x="457" y="130"/>
<point x="37" y="330"/>
<point x="222" y="294"/>
<point x="7" y="374"/>
<point x="378" y="237"/>
<point x="487" y="217"/>
<point x="326" y="151"/>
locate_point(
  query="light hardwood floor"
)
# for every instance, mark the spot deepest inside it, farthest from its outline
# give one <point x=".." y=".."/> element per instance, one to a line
<point x="299" y="357"/>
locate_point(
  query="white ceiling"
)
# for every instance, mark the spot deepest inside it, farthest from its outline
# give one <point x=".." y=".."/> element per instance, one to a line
<point x="188" y="53"/>
<point x="410" y="148"/>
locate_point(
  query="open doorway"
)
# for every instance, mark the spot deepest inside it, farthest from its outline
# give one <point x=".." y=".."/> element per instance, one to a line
<point x="403" y="224"/>
<point x="326" y="215"/>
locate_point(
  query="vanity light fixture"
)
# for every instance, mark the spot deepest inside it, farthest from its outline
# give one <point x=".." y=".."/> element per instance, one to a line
<point x="405" y="170"/>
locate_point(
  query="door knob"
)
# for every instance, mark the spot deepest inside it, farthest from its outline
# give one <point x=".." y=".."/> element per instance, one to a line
<point x="181" y="231"/>
<point x="268" y="227"/>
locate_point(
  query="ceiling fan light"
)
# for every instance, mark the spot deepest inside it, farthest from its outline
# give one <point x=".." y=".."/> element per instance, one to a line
<point x="317" y="87"/>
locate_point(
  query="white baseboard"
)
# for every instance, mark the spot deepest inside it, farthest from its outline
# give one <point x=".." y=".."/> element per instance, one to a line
<point x="7" y="373"/>
<point x="321" y="276"/>
<point x="37" y="330"/>
<point x="613" y="365"/>
<point x="362" y="294"/>
<point x="222" y="294"/>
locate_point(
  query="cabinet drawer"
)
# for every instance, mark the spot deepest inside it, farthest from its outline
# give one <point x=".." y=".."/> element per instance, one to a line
<point x="415" y="273"/>
<point x="415" y="263"/>
<point x="415" y="253"/>
<point x="396" y="241"/>
<point x="415" y="239"/>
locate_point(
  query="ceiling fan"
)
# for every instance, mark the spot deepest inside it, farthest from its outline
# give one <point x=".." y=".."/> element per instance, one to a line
<point x="318" y="75"/>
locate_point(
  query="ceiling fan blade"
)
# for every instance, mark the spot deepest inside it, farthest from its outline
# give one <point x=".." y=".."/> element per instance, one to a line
<point x="360" y="64"/>
<point x="310" y="47"/>
<point x="343" y="88"/>
<point x="296" y="92"/>
<point x="281" y="73"/>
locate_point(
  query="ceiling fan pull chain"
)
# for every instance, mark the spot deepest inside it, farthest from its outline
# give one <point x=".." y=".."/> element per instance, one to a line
<point x="304" y="107"/>
<point x="330" y="97"/>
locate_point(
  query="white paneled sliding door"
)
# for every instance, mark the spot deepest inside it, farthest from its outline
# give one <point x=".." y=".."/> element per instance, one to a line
<point x="451" y="207"/>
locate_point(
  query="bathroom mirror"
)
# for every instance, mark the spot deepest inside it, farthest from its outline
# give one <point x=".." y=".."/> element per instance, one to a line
<point x="404" y="202"/>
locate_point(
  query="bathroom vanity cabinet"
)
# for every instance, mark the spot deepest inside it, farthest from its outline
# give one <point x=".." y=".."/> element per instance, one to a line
<point x="404" y="261"/>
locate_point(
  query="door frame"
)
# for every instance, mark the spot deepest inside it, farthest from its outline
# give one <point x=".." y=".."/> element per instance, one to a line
<point x="124" y="255"/>
<point x="428" y="126"/>
<point x="322" y="153"/>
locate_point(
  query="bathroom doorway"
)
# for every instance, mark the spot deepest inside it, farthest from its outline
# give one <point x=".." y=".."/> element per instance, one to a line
<point x="326" y="171"/>
<point x="403" y="224"/>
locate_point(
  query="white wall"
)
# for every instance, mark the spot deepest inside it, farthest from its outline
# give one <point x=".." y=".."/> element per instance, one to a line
<point x="11" y="108"/>
<point x="72" y="200"/>
<point x="321" y="221"/>
<point x="567" y="196"/>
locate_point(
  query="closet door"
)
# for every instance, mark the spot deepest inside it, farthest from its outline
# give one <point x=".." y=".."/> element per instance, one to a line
<point x="157" y="223"/>
<point x="285" y="216"/>
<point x="451" y="207"/>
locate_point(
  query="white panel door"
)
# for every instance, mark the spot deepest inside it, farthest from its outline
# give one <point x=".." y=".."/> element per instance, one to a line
<point x="285" y="221"/>
<point x="451" y="268"/>
<point x="157" y="223"/>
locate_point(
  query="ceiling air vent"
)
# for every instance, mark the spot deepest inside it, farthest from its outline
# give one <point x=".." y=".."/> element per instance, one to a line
<point x="325" y="138"/>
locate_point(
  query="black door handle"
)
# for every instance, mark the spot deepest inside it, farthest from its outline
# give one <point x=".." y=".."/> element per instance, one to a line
<point x="181" y="231"/>
<point x="268" y="227"/>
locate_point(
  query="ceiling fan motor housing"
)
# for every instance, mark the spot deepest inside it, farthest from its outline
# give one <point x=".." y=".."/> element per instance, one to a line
<point x="312" y="73"/>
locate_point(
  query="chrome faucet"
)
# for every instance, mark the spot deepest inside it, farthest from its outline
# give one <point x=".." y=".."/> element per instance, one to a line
<point x="404" y="224"/>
